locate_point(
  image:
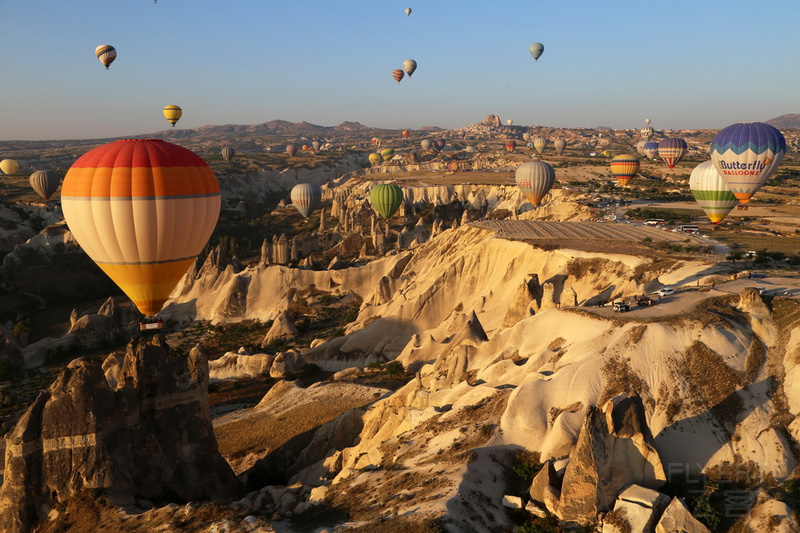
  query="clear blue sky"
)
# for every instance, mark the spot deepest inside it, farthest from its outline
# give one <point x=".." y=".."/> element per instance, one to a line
<point x="685" y="64"/>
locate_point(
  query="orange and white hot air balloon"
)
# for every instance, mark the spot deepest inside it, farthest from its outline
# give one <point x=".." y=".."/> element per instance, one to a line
<point x="624" y="167"/>
<point x="142" y="210"/>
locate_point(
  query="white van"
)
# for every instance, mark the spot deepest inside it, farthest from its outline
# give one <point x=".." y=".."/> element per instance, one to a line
<point x="666" y="291"/>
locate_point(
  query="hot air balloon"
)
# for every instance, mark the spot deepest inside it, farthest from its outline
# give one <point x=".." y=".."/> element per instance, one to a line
<point x="647" y="133"/>
<point x="539" y="144"/>
<point x="624" y="167"/>
<point x="439" y="144"/>
<point x="640" y="148"/>
<point x="711" y="192"/>
<point x="9" y="166"/>
<point x="374" y="158"/>
<point x="526" y="136"/>
<point x="291" y="149"/>
<point x="398" y="74"/>
<point x="511" y="145"/>
<point x="45" y="182"/>
<point x="559" y="145"/>
<point x="509" y="122"/>
<point x="173" y="114"/>
<point x="405" y="134"/>
<point x="305" y="197"/>
<point x="387" y="154"/>
<point x="228" y="153"/>
<point x="426" y="144"/>
<point x="647" y="121"/>
<point x="386" y="199"/>
<point x="316" y="145"/>
<point x="142" y="209"/>
<point x="535" y="179"/>
<point x="453" y="166"/>
<point x="106" y="54"/>
<point x="651" y="150"/>
<point x="746" y="155"/>
<point x="672" y="150"/>
<point x="409" y="65"/>
<point x="536" y="50"/>
<point x="408" y="11"/>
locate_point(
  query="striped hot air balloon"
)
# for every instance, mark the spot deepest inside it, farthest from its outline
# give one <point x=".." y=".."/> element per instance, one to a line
<point x="539" y="143"/>
<point x="387" y="154"/>
<point x="559" y="145"/>
<point x="535" y="179"/>
<point x="398" y="74"/>
<point x="106" y="54"/>
<point x="650" y="150"/>
<point x="672" y="150"/>
<point x="711" y="192"/>
<point x="305" y="197"/>
<point x="142" y="209"/>
<point x="746" y="155"/>
<point x="386" y="199"/>
<point x="173" y="114"/>
<point x="511" y="145"/>
<point x="228" y="153"/>
<point x="375" y="158"/>
<point x="45" y="182"/>
<point x="624" y="167"/>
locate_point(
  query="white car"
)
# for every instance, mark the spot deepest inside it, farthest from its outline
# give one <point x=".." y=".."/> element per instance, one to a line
<point x="666" y="291"/>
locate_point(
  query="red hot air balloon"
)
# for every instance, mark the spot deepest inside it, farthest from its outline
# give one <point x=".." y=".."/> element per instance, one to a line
<point x="511" y="145"/>
<point x="398" y="74"/>
<point x="405" y="134"/>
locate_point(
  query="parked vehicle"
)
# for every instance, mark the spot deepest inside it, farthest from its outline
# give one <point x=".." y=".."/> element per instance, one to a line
<point x="666" y="291"/>
<point x="644" y="301"/>
<point x="621" y="307"/>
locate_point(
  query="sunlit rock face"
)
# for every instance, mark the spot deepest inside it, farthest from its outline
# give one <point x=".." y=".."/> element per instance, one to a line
<point x="136" y="427"/>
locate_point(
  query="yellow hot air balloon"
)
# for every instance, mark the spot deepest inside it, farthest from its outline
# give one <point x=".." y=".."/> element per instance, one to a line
<point x="173" y="114"/>
<point x="624" y="167"/>
<point x="9" y="166"/>
<point x="375" y="158"/>
<point x="142" y="210"/>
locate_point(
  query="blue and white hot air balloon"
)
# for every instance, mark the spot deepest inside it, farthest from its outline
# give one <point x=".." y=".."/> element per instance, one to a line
<point x="746" y="154"/>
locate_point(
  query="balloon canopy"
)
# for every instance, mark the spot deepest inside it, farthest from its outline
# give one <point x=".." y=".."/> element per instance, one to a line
<point x="624" y="167"/>
<point x="106" y="54"/>
<point x="228" y="153"/>
<point x="142" y="210"/>
<point x="672" y="150"/>
<point x="746" y="155"/>
<point x="711" y="192"/>
<point x="306" y="197"/>
<point x="536" y="50"/>
<point x="386" y="199"/>
<point x="535" y="179"/>
<point x="45" y="182"/>
<point x="173" y="114"/>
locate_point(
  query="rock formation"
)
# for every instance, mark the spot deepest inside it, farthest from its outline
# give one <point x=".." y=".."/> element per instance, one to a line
<point x="282" y="329"/>
<point x="144" y="434"/>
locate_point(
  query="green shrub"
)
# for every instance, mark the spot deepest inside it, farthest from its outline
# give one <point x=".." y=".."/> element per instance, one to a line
<point x="394" y="369"/>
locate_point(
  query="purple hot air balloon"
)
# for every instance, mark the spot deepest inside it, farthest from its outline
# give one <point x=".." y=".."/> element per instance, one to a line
<point x="672" y="150"/>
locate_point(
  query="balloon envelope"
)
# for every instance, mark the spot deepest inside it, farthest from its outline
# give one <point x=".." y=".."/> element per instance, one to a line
<point x="439" y="144"/>
<point x="647" y="121"/>
<point x="539" y="144"/>
<point x="291" y="150"/>
<point x="426" y="144"/>
<point x="559" y="145"/>
<point x="511" y="145"/>
<point x="316" y="145"/>
<point x="386" y="199"/>
<point x="672" y="150"/>
<point x="142" y="209"/>
<point x="9" y="166"/>
<point x="106" y="54"/>
<point x="305" y="197"/>
<point x="387" y="154"/>
<point x="45" y="182"/>
<point x="711" y="192"/>
<point x="228" y="153"/>
<point x="535" y="179"/>
<point x="746" y="155"/>
<point x="173" y="113"/>
<point x="509" y="122"/>
<point x="536" y="50"/>
<point x="640" y="147"/>
<point x="650" y="150"/>
<point x="647" y="133"/>
<point x="408" y="11"/>
<point x="374" y="158"/>
<point x="624" y="167"/>
<point x="526" y="136"/>
<point x="398" y="74"/>
<point x="405" y="134"/>
<point x="409" y="65"/>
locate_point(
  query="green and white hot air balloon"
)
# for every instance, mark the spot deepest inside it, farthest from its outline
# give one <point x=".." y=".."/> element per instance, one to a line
<point x="386" y="199"/>
<point x="711" y="192"/>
